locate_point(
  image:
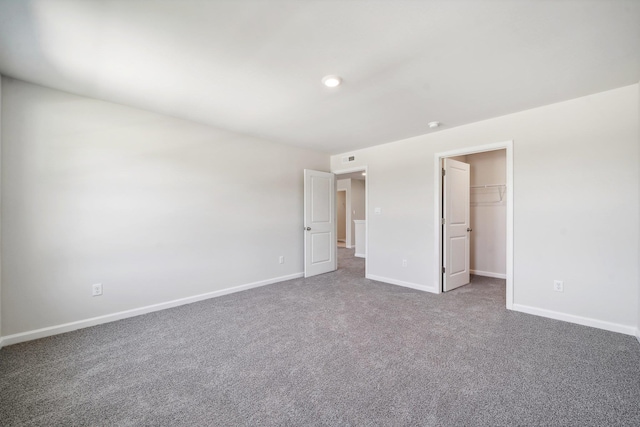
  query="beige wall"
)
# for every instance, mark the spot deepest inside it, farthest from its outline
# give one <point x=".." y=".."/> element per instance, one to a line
<point x="154" y="208"/>
<point x="357" y="202"/>
<point x="576" y="174"/>
<point x="345" y="184"/>
<point x="341" y="203"/>
<point x="488" y="213"/>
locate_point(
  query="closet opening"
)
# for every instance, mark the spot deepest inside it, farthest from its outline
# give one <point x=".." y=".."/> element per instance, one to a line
<point x="474" y="217"/>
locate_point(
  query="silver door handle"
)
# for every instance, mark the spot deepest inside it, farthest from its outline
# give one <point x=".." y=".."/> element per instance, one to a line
<point x="308" y="228"/>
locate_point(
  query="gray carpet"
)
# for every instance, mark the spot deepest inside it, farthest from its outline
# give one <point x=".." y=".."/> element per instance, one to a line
<point x="336" y="349"/>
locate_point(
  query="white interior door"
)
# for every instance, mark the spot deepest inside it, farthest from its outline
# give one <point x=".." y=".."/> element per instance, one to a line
<point x="456" y="207"/>
<point x="320" y="242"/>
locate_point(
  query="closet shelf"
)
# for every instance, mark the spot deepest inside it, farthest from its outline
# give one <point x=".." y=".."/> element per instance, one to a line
<point x="502" y="188"/>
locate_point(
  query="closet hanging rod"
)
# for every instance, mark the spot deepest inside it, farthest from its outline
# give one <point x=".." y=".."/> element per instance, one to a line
<point x="502" y="189"/>
<point x="489" y="186"/>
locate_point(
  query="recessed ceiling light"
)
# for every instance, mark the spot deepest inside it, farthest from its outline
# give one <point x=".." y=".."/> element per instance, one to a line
<point x="364" y="174"/>
<point x="433" y="125"/>
<point x="331" y="81"/>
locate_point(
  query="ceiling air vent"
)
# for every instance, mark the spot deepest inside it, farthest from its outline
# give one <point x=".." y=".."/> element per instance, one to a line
<point x="347" y="159"/>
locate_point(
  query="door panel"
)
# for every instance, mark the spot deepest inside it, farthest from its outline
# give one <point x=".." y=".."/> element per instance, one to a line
<point x="320" y="242"/>
<point x="456" y="207"/>
<point x="321" y="251"/>
<point x="457" y="248"/>
<point x="321" y="207"/>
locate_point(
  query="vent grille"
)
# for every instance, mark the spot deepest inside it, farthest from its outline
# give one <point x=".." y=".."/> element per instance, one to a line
<point x="348" y="159"/>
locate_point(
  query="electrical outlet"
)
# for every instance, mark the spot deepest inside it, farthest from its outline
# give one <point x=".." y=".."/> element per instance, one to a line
<point x="404" y="262"/>
<point x="281" y="259"/>
<point x="96" y="289"/>
<point x="558" y="285"/>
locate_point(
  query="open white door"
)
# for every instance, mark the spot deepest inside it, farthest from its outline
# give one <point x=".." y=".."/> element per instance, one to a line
<point x="320" y="242"/>
<point x="456" y="207"/>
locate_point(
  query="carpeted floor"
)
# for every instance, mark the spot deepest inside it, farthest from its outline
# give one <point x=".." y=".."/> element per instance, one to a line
<point x="336" y="349"/>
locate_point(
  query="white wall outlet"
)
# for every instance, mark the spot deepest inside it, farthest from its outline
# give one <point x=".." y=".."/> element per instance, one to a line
<point x="558" y="285"/>
<point x="96" y="289"/>
<point x="281" y="259"/>
<point x="377" y="211"/>
<point x="404" y="262"/>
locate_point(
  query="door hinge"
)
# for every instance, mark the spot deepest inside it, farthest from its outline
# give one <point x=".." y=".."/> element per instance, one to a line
<point x="443" y="221"/>
<point x="444" y="172"/>
<point x="443" y="270"/>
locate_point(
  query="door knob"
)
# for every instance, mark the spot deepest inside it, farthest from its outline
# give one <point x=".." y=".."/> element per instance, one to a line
<point x="469" y="229"/>
<point x="308" y="228"/>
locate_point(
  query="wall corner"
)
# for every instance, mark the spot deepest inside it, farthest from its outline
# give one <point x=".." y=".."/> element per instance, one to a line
<point x="1" y="81"/>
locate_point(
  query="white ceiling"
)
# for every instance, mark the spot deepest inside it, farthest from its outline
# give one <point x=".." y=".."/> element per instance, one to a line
<point x="255" y="66"/>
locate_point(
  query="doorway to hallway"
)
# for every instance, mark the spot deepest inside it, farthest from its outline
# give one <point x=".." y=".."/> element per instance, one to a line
<point x="353" y="184"/>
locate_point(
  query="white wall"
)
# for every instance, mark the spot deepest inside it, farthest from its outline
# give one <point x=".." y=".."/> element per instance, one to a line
<point x="575" y="206"/>
<point x="152" y="207"/>
<point x="488" y="213"/>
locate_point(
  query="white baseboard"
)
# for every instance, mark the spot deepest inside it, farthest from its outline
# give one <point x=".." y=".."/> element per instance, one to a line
<point x="488" y="274"/>
<point x="360" y="255"/>
<point x="72" y="326"/>
<point x="571" y="318"/>
<point x="401" y="283"/>
<point x="348" y="246"/>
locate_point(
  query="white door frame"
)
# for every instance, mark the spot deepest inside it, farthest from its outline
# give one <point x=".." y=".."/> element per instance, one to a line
<point x="437" y="268"/>
<point x="366" y="207"/>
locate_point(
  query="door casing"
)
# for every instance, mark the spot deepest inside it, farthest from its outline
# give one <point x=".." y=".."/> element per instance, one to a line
<point x="366" y="207"/>
<point x="437" y="263"/>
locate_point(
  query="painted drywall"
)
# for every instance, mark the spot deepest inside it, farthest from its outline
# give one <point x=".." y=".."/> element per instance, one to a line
<point x="357" y="202"/>
<point x="0" y="210"/>
<point x="341" y="217"/>
<point x="357" y="205"/>
<point x="345" y="184"/>
<point x="462" y="159"/>
<point x="575" y="211"/>
<point x="488" y="213"/>
<point x="154" y="208"/>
